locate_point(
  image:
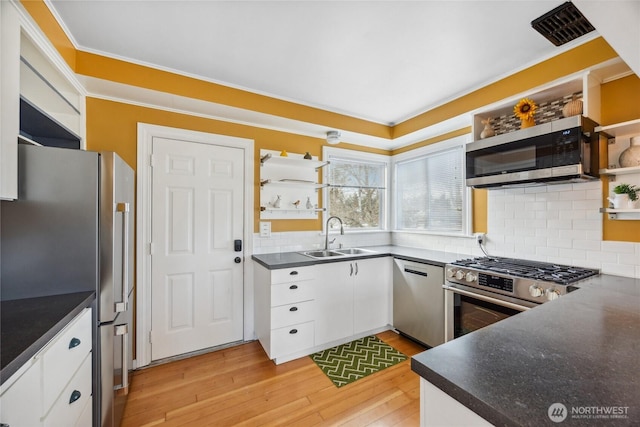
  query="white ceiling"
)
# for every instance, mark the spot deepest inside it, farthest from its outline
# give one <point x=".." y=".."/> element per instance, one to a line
<point x="384" y="61"/>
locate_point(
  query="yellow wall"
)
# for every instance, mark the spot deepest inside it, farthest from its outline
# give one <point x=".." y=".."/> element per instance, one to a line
<point x="620" y="103"/>
<point x="113" y="126"/>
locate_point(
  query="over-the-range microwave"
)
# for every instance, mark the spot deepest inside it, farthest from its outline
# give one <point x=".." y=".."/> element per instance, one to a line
<point x="564" y="150"/>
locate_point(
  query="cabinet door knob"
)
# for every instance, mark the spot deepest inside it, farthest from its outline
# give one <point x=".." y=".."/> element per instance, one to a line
<point x="293" y="309"/>
<point x="293" y="273"/>
<point x="75" y="395"/>
<point x="293" y="287"/>
<point x="74" y="343"/>
<point x="293" y="331"/>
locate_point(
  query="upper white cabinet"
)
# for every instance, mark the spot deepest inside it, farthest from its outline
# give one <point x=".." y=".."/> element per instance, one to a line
<point x="40" y="98"/>
<point x="289" y="185"/>
<point x="47" y="95"/>
<point x="9" y="99"/>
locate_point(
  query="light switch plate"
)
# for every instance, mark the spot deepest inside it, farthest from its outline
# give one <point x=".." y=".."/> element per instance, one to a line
<point x="265" y="229"/>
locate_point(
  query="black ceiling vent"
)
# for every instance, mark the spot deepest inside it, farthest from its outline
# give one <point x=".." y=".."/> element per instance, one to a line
<point x="562" y="24"/>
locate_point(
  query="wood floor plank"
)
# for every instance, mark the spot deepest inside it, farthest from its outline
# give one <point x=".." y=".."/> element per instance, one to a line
<point x="240" y="386"/>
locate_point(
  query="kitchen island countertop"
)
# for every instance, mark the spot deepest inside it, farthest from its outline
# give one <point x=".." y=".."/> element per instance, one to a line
<point x="26" y="325"/>
<point x="581" y="350"/>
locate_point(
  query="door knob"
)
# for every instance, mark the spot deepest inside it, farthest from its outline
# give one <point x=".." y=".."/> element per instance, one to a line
<point x="237" y="260"/>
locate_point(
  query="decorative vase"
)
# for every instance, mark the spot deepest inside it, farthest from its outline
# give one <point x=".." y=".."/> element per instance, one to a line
<point x="621" y="201"/>
<point x="527" y="123"/>
<point x="488" y="130"/>
<point x="572" y="108"/>
<point x="631" y="156"/>
<point x="283" y="153"/>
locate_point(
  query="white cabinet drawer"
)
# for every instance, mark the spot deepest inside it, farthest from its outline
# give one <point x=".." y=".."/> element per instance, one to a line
<point x="63" y="357"/>
<point x="292" y="339"/>
<point x="288" y="293"/>
<point x="291" y="314"/>
<point x="70" y="405"/>
<point x="287" y="275"/>
<point x="20" y="404"/>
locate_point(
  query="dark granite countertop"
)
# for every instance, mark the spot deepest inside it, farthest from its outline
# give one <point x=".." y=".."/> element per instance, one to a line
<point x="26" y="325"/>
<point x="581" y="350"/>
<point x="276" y="261"/>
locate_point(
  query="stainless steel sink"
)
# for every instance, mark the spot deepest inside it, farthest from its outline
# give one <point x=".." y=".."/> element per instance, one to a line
<point x="322" y="254"/>
<point x="333" y="253"/>
<point x="354" y="251"/>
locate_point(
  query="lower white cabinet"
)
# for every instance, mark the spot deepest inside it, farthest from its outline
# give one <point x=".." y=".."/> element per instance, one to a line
<point x="54" y="387"/>
<point x="373" y="293"/>
<point x="302" y="310"/>
<point x="285" y="310"/>
<point x="353" y="297"/>
<point x="334" y="301"/>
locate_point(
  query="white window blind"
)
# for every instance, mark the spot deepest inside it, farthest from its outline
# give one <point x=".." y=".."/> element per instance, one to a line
<point x="429" y="192"/>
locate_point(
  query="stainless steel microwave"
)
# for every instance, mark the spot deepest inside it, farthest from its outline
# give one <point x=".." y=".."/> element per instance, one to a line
<point x="564" y="150"/>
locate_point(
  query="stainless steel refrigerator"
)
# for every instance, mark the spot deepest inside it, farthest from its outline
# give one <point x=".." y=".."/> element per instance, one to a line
<point x="69" y="231"/>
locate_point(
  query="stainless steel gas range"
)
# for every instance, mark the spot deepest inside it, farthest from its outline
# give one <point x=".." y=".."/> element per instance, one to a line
<point x="485" y="290"/>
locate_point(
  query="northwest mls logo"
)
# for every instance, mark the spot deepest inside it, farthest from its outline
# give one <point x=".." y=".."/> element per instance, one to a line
<point x="557" y="412"/>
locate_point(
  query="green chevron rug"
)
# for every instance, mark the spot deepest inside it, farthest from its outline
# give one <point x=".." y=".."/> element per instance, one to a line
<point x="349" y="362"/>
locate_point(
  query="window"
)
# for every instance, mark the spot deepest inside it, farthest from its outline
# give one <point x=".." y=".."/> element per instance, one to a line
<point x="430" y="194"/>
<point x="357" y="191"/>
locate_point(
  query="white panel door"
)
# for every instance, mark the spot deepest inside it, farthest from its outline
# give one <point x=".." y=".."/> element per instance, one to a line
<point x="197" y="213"/>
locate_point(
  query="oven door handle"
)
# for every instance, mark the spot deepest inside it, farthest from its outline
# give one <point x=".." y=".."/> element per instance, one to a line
<point x="486" y="298"/>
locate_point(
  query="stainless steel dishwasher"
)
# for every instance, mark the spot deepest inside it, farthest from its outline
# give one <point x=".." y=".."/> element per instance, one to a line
<point x="418" y="301"/>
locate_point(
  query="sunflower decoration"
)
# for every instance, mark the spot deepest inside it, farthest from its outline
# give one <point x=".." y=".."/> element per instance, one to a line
<point x="524" y="110"/>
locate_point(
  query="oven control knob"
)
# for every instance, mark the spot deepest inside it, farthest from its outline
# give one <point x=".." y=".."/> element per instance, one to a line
<point x="460" y="274"/>
<point x="470" y="277"/>
<point x="552" y="294"/>
<point x="451" y="272"/>
<point x="535" y="291"/>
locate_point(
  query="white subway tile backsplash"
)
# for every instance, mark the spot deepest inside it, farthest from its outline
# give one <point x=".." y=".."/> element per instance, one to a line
<point x="618" y="247"/>
<point x="602" y="257"/>
<point x="559" y="188"/>
<point x="555" y="223"/>
<point x="618" y="269"/>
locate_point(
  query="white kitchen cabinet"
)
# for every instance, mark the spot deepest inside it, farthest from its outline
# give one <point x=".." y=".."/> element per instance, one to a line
<point x="352" y="297"/>
<point x="289" y="186"/>
<point x="372" y="294"/>
<point x="54" y="387"/>
<point x="40" y="98"/>
<point x="9" y="99"/>
<point x="334" y="301"/>
<point x="285" y="310"/>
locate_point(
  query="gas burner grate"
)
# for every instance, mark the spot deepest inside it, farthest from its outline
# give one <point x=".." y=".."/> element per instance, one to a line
<point x="561" y="274"/>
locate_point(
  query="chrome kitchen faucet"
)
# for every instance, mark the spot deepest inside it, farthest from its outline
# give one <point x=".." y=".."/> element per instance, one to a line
<point x="326" y="237"/>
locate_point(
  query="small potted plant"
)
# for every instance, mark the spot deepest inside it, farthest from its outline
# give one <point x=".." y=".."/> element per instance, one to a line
<point x="625" y="196"/>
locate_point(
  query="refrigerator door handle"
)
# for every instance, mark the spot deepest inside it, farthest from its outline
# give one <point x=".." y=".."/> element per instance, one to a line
<point x="123" y="330"/>
<point x="124" y="209"/>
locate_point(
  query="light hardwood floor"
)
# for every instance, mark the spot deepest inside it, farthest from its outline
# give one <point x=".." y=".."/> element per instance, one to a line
<point x="240" y="386"/>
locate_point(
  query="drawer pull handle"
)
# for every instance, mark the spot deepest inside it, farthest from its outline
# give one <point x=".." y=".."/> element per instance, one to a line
<point x="293" y="309"/>
<point x="74" y="343"/>
<point x="293" y="273"/>
<point x="293" y="331"/>
<point x="75" y="395"/>
<point x="293" y="287"/>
